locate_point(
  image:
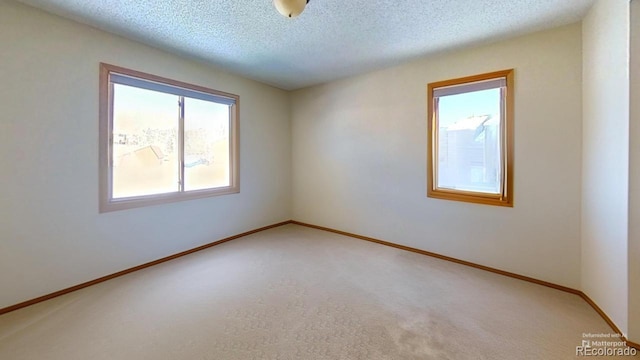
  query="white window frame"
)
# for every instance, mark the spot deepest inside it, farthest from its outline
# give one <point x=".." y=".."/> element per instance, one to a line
<point x="110" y="74"/>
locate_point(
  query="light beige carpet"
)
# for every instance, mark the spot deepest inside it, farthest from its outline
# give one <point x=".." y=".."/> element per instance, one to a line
<point x="299" y="293"/>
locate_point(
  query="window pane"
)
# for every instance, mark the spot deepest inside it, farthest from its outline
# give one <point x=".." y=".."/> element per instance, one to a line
<point x="145" y="142"/>
<point x="206" y="145"/>
<point x="469" y="142"/>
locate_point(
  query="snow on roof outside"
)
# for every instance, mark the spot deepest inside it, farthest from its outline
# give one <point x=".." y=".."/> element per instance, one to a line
<point x="473" y="122"/>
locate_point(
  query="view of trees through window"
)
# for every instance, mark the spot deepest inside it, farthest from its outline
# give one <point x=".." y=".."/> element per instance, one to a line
<point x="146" y="143"/>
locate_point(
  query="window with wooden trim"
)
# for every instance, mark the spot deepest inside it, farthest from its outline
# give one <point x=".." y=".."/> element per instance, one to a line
<point x="163" y="140"/>
<point x="470" y="145"/>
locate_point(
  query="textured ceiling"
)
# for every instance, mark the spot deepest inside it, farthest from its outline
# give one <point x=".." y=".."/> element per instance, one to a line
<point x="330" y="40"/>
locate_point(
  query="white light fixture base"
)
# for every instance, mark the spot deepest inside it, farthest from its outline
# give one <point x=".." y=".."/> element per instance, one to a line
<point x="290" y="8"/>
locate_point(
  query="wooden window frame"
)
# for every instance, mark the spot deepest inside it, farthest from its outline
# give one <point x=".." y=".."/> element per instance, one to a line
<point x="106" y="201"/>
<point x="505" y="198"/>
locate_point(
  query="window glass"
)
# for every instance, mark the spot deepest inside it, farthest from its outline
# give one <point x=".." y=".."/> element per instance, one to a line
<point x="469" y="141"/>
<point x="145" y="142"/>
<point x="206" y="144"/>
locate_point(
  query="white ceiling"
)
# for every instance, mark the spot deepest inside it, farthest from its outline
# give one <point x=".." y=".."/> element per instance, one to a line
<point x="330" y="40"/>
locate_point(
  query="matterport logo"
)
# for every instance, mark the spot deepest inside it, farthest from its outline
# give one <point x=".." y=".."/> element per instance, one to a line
<point x="604" y="345"/>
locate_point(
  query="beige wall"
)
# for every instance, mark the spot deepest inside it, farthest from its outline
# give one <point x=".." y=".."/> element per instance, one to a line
<point x="52" y="235"/>
<point x="605" y="157"/>
<point x="359" y="159"/>
<point x="634" y="178"/>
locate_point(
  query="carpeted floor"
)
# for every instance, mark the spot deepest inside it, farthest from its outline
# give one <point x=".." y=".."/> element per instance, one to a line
<point x="299" y="293"/>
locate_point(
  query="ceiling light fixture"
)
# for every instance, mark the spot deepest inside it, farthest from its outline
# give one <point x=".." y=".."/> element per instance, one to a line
<point x="290" y="8"/>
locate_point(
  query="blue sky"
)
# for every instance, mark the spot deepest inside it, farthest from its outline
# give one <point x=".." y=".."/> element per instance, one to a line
<point x="159" y="110"/>
<point x="457" y="107"/>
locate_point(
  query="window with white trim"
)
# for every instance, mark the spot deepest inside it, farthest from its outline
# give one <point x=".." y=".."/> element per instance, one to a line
<point x="163" y="140"/>
<point x="470" y="151"/>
